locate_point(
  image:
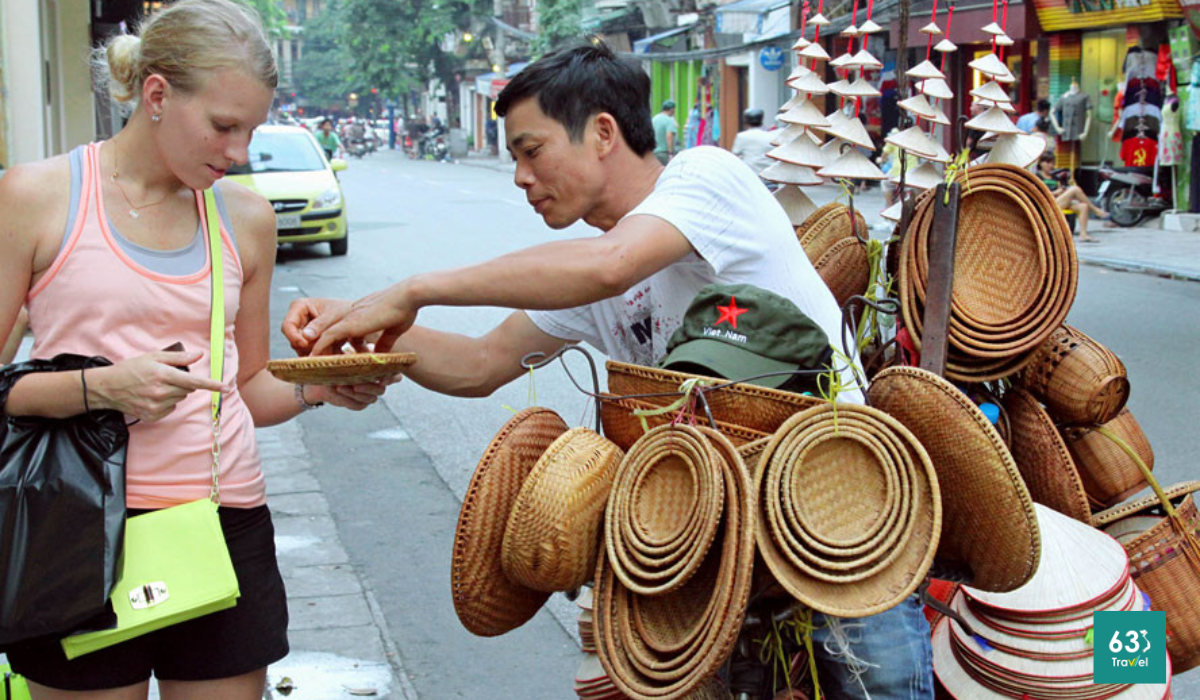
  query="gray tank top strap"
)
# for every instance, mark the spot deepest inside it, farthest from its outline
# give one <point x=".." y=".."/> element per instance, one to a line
<point x="224" y="214"/>
<point x="76" y="160"/>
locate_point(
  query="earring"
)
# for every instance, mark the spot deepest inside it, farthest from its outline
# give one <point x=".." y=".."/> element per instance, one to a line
<point x="155" y="118"/>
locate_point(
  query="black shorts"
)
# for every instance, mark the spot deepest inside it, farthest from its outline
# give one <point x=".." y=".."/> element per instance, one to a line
<point x="232" y="642"/>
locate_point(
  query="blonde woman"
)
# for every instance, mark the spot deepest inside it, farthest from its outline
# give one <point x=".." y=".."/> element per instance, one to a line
<point x="106" y="247"/>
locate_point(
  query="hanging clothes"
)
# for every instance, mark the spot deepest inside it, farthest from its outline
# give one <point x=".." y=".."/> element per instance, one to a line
<point x="1170" y="138"/>
<point x="1143" y="90"/>
<point x="1139" y="152"/>
<point x="1193" y="110"/>
<point x="1164" y="71"/>
<point x="1072" y="110"/>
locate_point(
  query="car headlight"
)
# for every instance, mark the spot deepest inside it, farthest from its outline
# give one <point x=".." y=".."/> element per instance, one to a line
<point x="328" y="199"/>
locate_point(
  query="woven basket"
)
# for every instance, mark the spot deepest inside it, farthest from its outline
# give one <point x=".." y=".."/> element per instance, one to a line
<point x="624" y="428"/>
<point x="1109" y="475"/>
<point x="1167" y="568"/>
<point x="990" y="524"/>
<point x="1080" y="381"/>
<point x="340" y="369"/>
<point x="487" y="602"/>
<point x="554" y="530"/>
<point x="755" y="408"/>
<point x="845" y="269"/>
<point x="827" y="226"/>
<point x="1045" y="464"/>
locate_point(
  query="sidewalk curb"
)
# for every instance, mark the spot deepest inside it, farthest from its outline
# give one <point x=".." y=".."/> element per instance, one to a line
<point x="488" y="163"/>
<point x="407" y="691"/>
<point x="1141" y="268"/>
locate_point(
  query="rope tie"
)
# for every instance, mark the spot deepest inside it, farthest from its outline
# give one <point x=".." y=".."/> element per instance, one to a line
<point x="959" y="164"/>
<point x="530" y="395"/>
<point x="686" y="389"/>
<point x="838" y="647"/>
<point x="802" y="628"/>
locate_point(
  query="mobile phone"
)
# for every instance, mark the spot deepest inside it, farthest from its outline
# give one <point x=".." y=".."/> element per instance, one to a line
<point x="176" y="347"/>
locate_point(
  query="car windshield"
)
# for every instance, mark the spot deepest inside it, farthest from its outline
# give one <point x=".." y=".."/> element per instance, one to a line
<point x="280" y="152"/>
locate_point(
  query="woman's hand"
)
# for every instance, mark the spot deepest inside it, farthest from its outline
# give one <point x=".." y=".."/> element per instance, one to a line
<point x="354" y="397"/>
<point x="147" y="387"/>
<point x="303" y="312"/>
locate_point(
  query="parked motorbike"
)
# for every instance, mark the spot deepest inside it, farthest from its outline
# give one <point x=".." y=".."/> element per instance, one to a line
<point x="1131" y="194"/>
<point x="433" y="144"/>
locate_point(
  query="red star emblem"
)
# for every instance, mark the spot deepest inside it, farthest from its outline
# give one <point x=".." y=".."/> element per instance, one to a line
<point x="730" y="313"/>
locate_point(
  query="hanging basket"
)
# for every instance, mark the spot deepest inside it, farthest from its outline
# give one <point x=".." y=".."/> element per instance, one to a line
<point x="1109" y="475"/>
<point x="1080" y="381"/>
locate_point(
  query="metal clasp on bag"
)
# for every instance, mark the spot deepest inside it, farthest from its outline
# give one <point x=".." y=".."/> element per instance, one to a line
<point x="148" y="595"/>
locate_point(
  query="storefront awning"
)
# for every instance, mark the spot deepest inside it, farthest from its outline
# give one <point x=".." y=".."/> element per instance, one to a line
<point x="644" y="45"/>
<point x="750" y="17"/>
<point x="1056" y="15"/>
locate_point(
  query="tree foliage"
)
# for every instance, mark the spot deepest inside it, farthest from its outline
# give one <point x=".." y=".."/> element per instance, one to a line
<point x="559" y="22"/>
<point x="323" y="73"/>
<point x="274" y="18"/>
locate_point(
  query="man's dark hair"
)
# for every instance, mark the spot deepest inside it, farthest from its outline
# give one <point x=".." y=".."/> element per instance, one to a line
<point x="574" y="84"/>
<point x="324" y="122"/>
<point x="1043" y="105"/>
<point x="1043" y="124"/>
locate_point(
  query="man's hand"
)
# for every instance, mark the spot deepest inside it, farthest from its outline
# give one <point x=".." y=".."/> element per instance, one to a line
<point x="304" y="312"/>
<point x="387" y="311"/>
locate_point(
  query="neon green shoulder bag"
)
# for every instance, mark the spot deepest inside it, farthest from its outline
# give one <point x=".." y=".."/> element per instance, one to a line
<point x="175" y="565"/>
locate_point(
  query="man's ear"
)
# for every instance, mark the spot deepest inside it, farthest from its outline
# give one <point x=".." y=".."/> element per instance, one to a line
<point x="606" y="133"/>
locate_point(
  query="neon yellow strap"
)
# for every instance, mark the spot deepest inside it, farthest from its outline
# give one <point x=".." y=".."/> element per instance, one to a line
<point x="216" y="328"/>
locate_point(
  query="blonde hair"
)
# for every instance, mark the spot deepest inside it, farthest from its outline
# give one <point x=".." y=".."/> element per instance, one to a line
<point x="184" y="43"/>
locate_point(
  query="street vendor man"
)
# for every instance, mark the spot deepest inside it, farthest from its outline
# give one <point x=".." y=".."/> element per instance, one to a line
<point x="578" y="125"/>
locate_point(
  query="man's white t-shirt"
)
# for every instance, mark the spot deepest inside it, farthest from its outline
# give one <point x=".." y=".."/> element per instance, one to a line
<point x="739" y="235"/>
<point x="752" y="146"/>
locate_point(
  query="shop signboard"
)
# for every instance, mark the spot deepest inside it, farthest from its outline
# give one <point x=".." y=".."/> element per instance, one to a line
<point x="771" y="57"/>
<point x="1057" y="15"/>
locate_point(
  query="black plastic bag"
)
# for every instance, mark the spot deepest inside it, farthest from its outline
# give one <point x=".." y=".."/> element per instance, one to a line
<point x="62" y="513"/>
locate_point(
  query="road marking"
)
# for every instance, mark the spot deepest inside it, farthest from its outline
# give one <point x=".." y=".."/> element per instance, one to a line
<point x="390" y="434"/>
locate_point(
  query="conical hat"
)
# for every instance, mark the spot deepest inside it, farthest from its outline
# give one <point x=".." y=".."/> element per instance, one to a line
<point x="865" y="59"/>
<point x="793" y="102"/>
<point x="850" y="31"/>
<point x="790" y="174"/>
<point x="1002" y="106"/>
<point x="989" y="64"/>
<point x="914" y="141"/>
<point x="800" y="44"/>
<point x="810" y="84"/>
<point x="798" y="72"/>
<point x="838" y="85"/>
<point x="818" y="20"/>
<point x="993" y="28"/>
<point x="935" y="88"/>
<point x="1004" y="40"/>
<point x="800" y="151"/>
<point x="841" y="61"/>
<point x="991" y="90"/>
<point x="814" y="51"/>
<point x="925" y="70"/>
<point x="946" y="46"/>
<point x="832" y="148"/>
<point x="1021" y="150"/>
<point x="797" y="204"/>
<point x="806" y="114"/>
<point x="993" y="120"/>
<point x="852" y="165"/>
<point x="918" y="106"/>
<point x="860" y="88"/>
<point x="786" y="134"/>
<point x="932" y="28"/>
<point x="923" y="177"/>
<point x="851" y="130"/>
<point x="893" y="212"/>
<point x="869" y="27"/>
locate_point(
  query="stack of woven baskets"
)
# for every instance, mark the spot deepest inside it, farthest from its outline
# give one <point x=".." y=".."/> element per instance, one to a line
<point x="829" y="239"/>
<point x="1035" y="642"/>
<point x="1015" y="272"/>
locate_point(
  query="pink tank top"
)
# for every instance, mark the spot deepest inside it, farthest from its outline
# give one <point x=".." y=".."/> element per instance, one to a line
<point x="96" y="300"/>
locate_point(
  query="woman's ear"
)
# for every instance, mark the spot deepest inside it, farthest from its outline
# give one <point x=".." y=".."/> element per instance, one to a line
<point x="155" y="92"/>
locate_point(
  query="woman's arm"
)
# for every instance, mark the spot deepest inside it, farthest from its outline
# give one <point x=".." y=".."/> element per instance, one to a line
<point x="270" y="400"/>
<point x="15" y="336"/>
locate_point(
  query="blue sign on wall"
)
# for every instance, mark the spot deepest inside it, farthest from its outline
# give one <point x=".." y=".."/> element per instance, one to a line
<point x="771" y="57"/>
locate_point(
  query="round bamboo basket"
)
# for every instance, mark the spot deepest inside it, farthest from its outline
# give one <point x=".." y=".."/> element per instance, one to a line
<point x="845" y="269"/>
<point x="1080" y="381"/>
<point x="1109" y="475"/>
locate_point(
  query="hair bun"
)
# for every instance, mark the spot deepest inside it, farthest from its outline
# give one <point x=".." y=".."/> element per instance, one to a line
<point x="124" y="54"/>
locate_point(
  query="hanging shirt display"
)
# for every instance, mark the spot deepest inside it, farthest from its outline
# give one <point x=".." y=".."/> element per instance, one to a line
<point x="1170" y="139"/>
<point x="1140" y="109"/>
<point x="1139" y="152"/>
<point x="1143" y="90"/>
<point x="1139" y="63"/>
<point x="1072" y="112"/>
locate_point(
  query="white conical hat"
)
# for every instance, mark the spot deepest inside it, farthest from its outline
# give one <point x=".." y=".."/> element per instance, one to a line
<point x="841" y="61"/>
<point x="865" y="59"/>
<point x="814" y="51"/>
<point x="1004" y="40"/>
<point x="800" y="44"/>
<point x="894" y="212"/>
<point x="860" y="88"/>
<point x="851" y="130"/>
<point x="869" y="27"/>
<point x="993" y="120"/>
<point x="832" y="148"/>
<point x="805" y="114"/>
<point x="818" y="20"/>
<point x="786" y="134"/>
<point x="989" y="64"/>
<point x="915" y="141"/>
<point x="935" y="88"/>
<point x="1021" y="150"/>
<point x="840" y="84"/>
<point x="809" y="84"/>
<point x="798" y="72"/>
<point x="800" y="151"/>
<point x="1002" y="106"/>
<point x="922" y="177"/>
<point x="919" y="106"/>
<point x="993" y="28"/>
<point x="790" y="174"/>
<point x="925" y="70"/>
<point x="852" y="165"/>
<point x="797" y="204"/>
<point x="838" y="118"/>
<point x="794" y="102"/>
<point x="992" y="92"/>
<point x="850" y="31"/>
<point x="932" y="28"/>
<point x="946" y="46"/>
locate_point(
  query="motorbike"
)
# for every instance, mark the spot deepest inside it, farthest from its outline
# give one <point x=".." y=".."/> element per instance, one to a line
<point x="1132" y="194"/>
<point x="356" y="147"/>
<point x="433" y="145"/>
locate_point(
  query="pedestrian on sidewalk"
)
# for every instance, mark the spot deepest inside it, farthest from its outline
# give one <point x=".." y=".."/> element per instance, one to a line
<point x="666" y="132"/>
<point x="130" y="276"/>
<point x="752" y="144"/>
<point x="1070" y="197"/>
<point x="580" y="130"/>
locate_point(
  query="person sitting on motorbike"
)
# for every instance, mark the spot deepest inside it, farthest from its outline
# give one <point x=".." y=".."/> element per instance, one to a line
<point x="1069" y="196"/>
<point x="329" y="141"/>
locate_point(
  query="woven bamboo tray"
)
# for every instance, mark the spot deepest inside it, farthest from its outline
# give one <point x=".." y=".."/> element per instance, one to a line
<point x="340" y="369"/>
